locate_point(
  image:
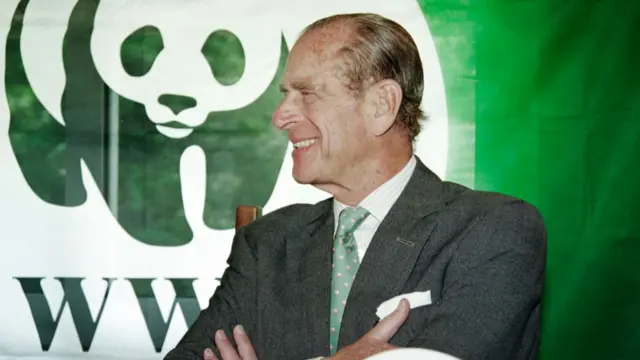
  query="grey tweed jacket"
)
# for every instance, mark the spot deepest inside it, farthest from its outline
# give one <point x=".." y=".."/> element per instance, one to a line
<point x="482" y="256"/>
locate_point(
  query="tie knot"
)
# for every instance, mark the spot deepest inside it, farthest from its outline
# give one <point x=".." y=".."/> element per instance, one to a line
<point x="350" y="218"/>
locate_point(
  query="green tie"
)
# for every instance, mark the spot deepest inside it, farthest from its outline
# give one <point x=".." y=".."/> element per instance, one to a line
<point x="345" y="265"/>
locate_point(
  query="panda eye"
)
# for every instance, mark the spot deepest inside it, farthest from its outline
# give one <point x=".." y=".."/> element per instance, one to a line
<point x="140" y="50"/>
<point x="225" y="55"/>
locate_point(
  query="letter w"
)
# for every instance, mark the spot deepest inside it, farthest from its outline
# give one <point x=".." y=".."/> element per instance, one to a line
<point x="78" y="305"/>
<point x="158" y="328"/>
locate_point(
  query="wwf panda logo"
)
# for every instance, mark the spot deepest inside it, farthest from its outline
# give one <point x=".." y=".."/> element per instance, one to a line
<point x="165" y="87"/>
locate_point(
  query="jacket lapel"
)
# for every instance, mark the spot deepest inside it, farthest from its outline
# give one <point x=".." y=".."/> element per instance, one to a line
<point x="392" y="253"/>
<point x="308" y="285"/>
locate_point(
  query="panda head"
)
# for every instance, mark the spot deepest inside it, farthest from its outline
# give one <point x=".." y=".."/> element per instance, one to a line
<point x="195" y="61"/>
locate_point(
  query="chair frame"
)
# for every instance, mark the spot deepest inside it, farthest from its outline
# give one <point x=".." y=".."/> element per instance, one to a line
<point x="245" y="214"/>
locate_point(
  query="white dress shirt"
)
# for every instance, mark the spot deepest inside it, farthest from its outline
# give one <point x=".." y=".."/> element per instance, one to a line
<point x="378" y="204"/>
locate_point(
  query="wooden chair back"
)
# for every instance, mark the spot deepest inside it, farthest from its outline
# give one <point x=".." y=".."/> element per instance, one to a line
<point x="245" y="214"/>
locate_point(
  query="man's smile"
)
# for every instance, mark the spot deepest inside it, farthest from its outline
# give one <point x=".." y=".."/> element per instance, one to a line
<point x="302" y="144"/>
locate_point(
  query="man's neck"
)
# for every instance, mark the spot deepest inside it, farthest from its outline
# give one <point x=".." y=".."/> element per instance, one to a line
<point x="366" y="180"/>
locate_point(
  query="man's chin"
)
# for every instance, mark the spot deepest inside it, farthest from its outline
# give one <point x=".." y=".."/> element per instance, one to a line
<point x="305" y="175"/>
<point x="310" y="173"/>
<point x="302" y="179"/>
<point x="314" y="180"/>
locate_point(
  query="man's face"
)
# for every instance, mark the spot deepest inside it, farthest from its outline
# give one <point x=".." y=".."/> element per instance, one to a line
<point x="323" y="118"/>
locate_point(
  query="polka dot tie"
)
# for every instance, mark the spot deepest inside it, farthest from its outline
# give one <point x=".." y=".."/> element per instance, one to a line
<point x="345" y="265"/>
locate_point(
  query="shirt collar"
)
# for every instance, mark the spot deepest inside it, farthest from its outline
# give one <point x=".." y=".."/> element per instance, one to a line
<point x="379" y="202"/>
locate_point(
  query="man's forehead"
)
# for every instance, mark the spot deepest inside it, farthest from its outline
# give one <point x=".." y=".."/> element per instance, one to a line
<point x="327" y="40"/>
<point x="309" y="78"/>
<point x="315" y="56"/>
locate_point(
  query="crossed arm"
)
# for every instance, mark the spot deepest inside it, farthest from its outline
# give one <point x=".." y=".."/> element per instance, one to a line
<point x="375" y="341"/>
<point x="212" y="336"/>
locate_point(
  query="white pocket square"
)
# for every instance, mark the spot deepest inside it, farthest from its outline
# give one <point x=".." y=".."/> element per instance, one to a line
<point x="416" y="299"/>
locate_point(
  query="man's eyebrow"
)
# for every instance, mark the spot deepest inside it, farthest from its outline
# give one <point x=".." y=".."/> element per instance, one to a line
<point x="304" y="85"/>
<point x="298" y="85"/>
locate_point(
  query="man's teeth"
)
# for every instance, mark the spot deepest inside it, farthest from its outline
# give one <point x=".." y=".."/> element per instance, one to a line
<point x="304" y="143"/>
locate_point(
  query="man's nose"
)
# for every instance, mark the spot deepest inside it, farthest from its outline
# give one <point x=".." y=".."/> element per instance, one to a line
<point x="285" y="115"/>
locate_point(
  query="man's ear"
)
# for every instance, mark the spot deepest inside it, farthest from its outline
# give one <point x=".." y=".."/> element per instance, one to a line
<point x="384" y="99"/>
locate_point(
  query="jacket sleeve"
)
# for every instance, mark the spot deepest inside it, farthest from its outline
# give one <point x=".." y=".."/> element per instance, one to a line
<point x="492" y="288"/>
<point x="232" y="303"/>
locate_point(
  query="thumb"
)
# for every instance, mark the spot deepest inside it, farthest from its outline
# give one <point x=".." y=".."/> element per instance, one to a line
<point x="387" y="327"/>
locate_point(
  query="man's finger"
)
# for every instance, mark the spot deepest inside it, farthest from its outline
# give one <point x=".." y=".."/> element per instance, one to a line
<point x="245" y="348"/>
<point x="209" y="355"/>
<point x="387" y="327"/>
<point x="226" y="348"/>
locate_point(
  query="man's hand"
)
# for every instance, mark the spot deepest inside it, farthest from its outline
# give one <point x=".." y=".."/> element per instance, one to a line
<point x="376" y="340"/>
<point x="227" y="351"/>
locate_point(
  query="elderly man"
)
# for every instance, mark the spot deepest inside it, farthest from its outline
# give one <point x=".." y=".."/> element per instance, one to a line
<point x="307" y="280"/>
